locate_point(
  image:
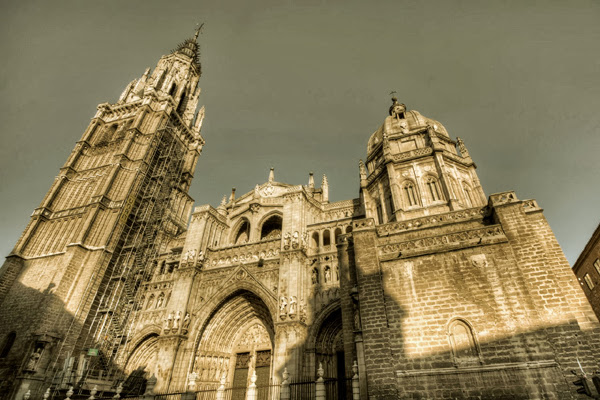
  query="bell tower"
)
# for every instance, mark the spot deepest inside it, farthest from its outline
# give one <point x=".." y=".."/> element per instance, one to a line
<point x="69" y="289"/>
<point x="414" y="169"/>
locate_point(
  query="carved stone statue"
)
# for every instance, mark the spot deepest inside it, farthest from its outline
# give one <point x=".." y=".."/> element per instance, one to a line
<point x="186" y="322"/>
<point x="33" y="359"/>
<point x="315" y="276"/>
<point x="287" y="238"/>
<point x="283" y="305"/>
<point x="363" y="169"/>
<point x="295" y="240"/>
<point x="397" y="110"/>
<point x="176" y="321"/>
<point x="292" y="305"/>
<point x="462" y="147"/>
<point x="191" y="255"/>
<point x="168" y="322"/>
<point x="327" y="275"/>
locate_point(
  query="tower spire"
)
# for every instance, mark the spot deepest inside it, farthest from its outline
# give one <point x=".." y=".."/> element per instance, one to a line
<point x="198" y="30"/>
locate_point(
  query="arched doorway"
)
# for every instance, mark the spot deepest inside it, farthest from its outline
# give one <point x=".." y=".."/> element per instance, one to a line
<point x="329" y="352"/>
<point x="235" y="342"/>
<point x="141" y="364"/>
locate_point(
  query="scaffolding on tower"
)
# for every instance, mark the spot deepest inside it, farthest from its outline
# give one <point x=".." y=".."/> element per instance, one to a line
<point x="95" y="354"/>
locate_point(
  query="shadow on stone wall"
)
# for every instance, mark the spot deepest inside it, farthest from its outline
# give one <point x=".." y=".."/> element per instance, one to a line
<point x="38" y="359"/>
<point x="457" y="360"/>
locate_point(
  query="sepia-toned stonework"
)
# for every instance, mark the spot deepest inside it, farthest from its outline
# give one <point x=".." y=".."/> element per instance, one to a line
<point x="434" y="289"/>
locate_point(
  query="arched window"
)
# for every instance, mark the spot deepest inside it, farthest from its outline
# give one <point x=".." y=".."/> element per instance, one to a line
<point x="8" y="342"/>
<point x="173" y="90"/>
<point x="271" y="228"/>
<point x="433" y="188"/>
<point x="107" y="134"/>
<point x="468" y="195"/>
<point x="326" y="237"/>
<point x="337" y="233"/>
<point x="349" y="229"/>
<point x="161" y="80"/>
<point x="243" y="233"/>
<point x="409" y="193"/>
<point x="150" y="302"/>
<point x="182" y="103"/>
<point x="379" y="213"/>
<point x="465" y="348"/>
<point x="315" y="240"/>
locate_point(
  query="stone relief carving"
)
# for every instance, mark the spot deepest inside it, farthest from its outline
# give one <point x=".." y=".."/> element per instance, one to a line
<point x="479" y="261"/>
<point x="256" y="335"/>
<point x="268" y="190"/>
<point x="493" y="232"/>
<point x="461" y="215"/>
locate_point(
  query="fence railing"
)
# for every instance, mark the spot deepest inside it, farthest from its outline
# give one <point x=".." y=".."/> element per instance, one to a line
<point x="320" y="389"/>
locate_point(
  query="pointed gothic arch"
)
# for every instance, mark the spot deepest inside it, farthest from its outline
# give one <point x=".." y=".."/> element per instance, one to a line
<point x="468" y="194"/>
<point x="241" y="232"/>
<point x="325" y="342"/>
<point x="141" y="360"/>
<point x="463" y="342"/>
<point x="238" y="329"/>
<point x="409" y="193"/>
<point x="434" y="191"/>
<point x="271" y="226"/>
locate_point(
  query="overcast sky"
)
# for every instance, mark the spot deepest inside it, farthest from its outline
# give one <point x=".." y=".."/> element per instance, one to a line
<point x="301" y="85"/>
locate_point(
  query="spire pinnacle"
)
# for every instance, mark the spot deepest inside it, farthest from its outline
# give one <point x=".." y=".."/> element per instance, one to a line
<point x="198" y="30"/>
<point x="272" y="174"/>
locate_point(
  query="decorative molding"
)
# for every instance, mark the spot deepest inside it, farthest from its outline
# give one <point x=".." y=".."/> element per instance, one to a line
<point x="478" y="369"/>
<point x="433" y="220"/>
<point x="247" y="253"/>
<point x="450" y="241"/>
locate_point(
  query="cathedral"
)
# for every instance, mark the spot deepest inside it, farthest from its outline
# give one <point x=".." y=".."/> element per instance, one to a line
<point x="422" y="286"/>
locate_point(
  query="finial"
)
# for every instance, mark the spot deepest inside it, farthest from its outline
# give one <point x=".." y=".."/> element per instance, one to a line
<point x="272" y="174"/>
<point x="325" y="188"/>
<point x="198" y="30"/>
<point x="311" y="180"/>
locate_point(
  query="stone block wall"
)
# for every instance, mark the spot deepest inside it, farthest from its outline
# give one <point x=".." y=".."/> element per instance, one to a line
<point x="486" y="306"/>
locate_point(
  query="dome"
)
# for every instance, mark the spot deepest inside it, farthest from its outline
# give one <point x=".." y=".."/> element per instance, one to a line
<point x="412" y="122"/>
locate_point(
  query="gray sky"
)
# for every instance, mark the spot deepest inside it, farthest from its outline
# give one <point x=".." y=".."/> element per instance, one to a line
<point x="301" y="86"/>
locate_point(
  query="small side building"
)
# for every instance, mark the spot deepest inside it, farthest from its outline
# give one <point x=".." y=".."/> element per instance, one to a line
<point x="587" y="270"/>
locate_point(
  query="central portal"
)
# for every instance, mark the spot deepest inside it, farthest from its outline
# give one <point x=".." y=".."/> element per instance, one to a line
<point x="235" y="343"/>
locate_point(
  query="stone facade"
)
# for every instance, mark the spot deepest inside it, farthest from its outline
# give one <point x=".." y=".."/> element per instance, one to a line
<point x="434" y="289"/>
<point x="587" y="270"/>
